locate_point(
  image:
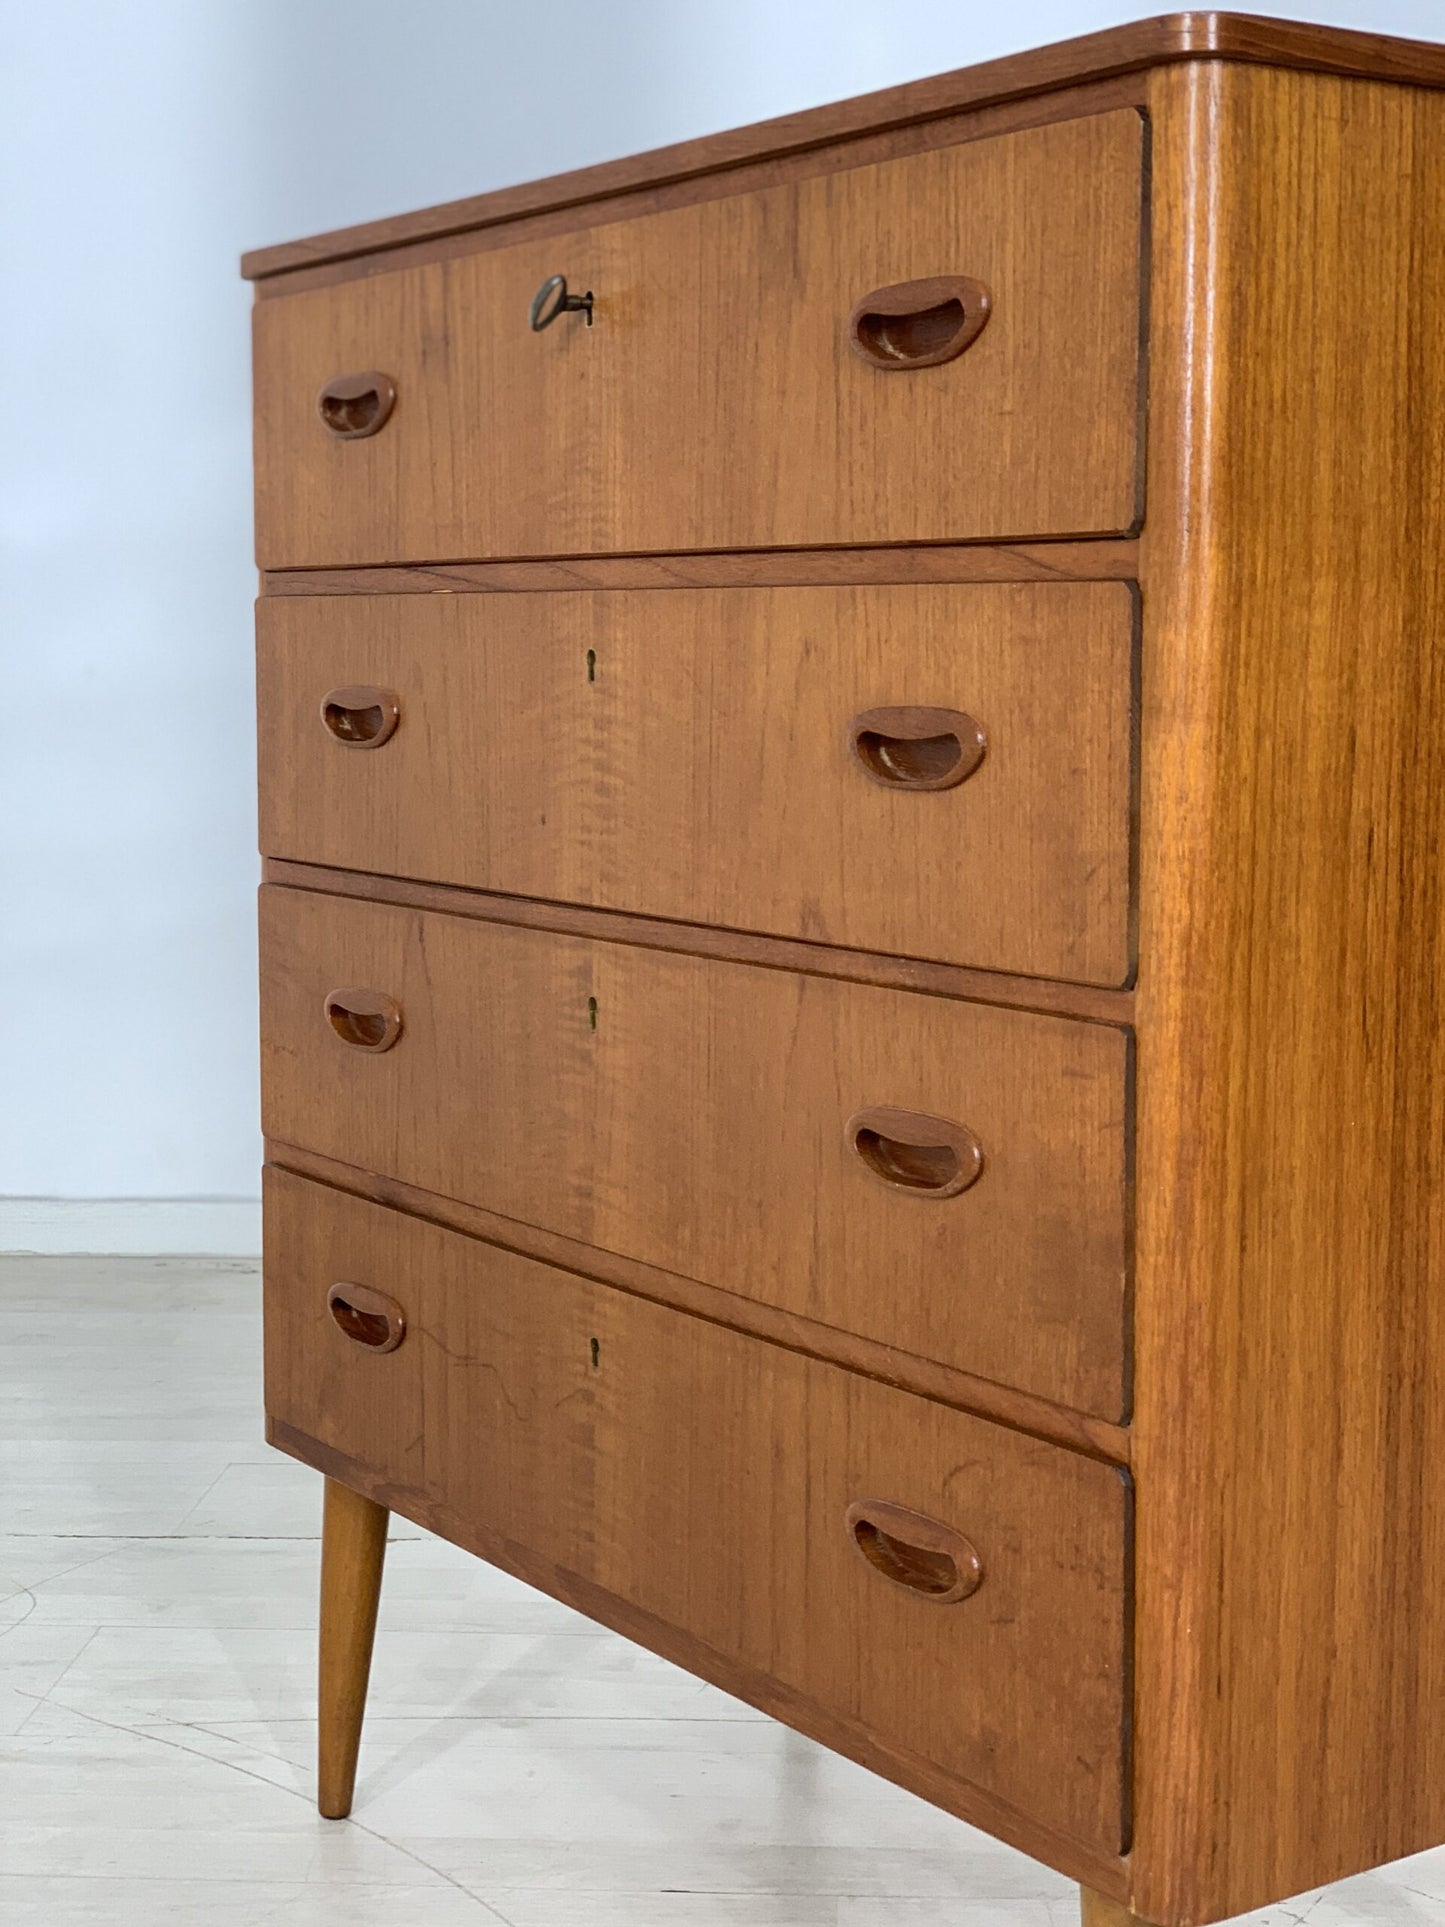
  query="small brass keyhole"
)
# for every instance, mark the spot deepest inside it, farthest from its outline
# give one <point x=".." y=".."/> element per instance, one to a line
<point x="591" y="1013"/>
<point x="591" y="665"/>
<point x="596" y="1351"/>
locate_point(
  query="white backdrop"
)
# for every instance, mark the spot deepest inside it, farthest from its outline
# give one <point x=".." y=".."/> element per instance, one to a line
<point x="141" y="148"/>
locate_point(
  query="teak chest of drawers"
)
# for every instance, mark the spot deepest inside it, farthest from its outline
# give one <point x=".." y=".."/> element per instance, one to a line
<point x="853" y="781"/>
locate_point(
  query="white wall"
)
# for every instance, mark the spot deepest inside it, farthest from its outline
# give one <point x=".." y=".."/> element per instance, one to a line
<point x="141" y="148"/>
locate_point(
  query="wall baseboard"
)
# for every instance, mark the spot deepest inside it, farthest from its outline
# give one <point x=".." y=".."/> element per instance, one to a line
<point x="132" y="1227"/>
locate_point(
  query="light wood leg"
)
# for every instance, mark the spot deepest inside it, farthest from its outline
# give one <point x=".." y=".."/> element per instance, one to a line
<point x="353" y="1546"/>
<point x="1097" y="1911"/>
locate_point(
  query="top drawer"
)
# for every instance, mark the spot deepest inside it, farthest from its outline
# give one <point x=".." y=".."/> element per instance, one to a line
<point x="716" y="401"/>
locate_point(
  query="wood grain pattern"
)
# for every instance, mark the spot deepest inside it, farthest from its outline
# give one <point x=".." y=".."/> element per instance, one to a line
<point x="1093" y="561"/>
<point x="768" y="953"/>
<point x="946" y="1384"/>
<point x="899" y="143"/>
<point x="692" y="1115"/>
<point x="1114" y="1007"/>
<point x="705" y="1478"/>
<point x="1104" y="1872"/>
<point x="654" y="1102"/>
<point x="1291" y="1327"/>
<point x="353" y="1548"/>
<point x="545" y="741"/>
<point x="714" y="323"/>
<point x="1120" y="50"/>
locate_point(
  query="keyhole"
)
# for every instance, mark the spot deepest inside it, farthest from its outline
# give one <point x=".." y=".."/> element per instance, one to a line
<point x="591" y="1013"/>
<point x="591" y="665"/>
<point x="596" y="1351"/>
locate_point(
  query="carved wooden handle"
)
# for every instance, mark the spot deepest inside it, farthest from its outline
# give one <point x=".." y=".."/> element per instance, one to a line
<point x="367" y="1317"/>
<point x="922" y="1156"/>
<point x="354" y="406"/>
<point x="365" y="1019"/>
<point x="917" y="324"/>
<point x="361" y="716"/>
<point x="918" y="1553"/>
<point x="910" y="748"/>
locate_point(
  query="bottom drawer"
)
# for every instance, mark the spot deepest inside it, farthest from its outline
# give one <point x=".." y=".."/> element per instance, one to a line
<point x="951" y="1592"/>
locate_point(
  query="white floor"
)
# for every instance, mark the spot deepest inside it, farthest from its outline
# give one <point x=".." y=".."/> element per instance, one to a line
<point x="157" y="1580"/>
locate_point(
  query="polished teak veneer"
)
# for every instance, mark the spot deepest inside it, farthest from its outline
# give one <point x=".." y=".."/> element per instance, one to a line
<point x="852" y="769"/>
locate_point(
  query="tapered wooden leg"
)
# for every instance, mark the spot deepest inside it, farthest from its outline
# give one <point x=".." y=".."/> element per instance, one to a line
<point x="353" y="1546"/>
<point x="1097" y="1911"/>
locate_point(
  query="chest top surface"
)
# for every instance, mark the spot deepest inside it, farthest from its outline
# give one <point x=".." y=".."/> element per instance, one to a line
<point x="1199" y="34"/>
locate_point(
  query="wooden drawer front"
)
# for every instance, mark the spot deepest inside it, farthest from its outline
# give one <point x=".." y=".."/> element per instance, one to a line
<point x="690" y="754"/>
<point x="695" y="1115"/>
<point x="706" y="1478"/>
<point x="716" y="403"/>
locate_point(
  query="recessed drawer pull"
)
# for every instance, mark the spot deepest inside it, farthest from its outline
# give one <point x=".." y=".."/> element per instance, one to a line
<point x="922" y="1156"/>
<point x="910" y="748"/>
<point x="365" y="1019"/>
<point x="367" y="1317"/>
<point x="917" y="324"/>
<point x="361" y="716"/>
<point x="552" y="299"/>
<point x="918" y="1553"/>
<point x="354" y="406"/>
